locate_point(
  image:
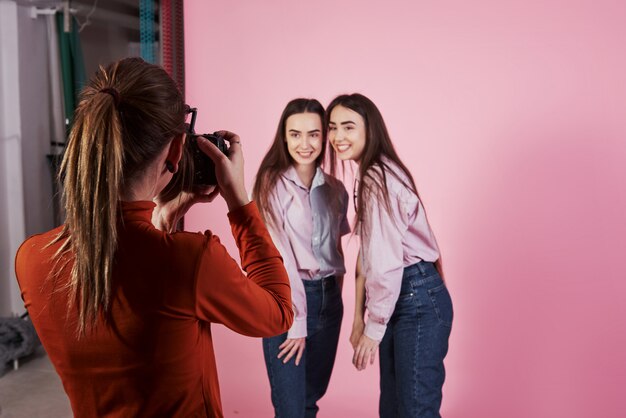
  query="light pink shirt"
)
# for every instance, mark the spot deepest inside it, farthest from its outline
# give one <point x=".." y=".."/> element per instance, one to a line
<point x="390" y="244"/>
<point x="308" y="234"/>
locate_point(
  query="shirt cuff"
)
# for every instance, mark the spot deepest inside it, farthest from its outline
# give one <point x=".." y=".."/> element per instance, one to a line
<point x="375" y="330"/>
<point x="298" y="329"/>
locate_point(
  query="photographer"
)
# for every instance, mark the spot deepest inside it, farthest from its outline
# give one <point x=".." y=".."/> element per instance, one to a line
<point x="124" y="308"/>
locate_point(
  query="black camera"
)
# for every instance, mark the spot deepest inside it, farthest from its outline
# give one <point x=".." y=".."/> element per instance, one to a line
<point x="195" y="168"/>
<point x="203" y="166"/>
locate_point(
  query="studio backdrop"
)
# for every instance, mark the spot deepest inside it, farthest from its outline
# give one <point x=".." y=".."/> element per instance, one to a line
<point x="511" y="117"/>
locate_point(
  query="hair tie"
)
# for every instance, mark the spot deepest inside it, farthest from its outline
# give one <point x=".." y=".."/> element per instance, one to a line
<point x="114" y="93"/>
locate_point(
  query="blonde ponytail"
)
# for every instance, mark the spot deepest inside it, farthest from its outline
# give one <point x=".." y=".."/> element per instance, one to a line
<point x="92" y="174"/>
<point x="127" y="114"/>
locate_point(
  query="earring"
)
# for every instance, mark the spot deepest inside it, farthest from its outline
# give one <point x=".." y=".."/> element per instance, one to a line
<point x="169" y="166"/>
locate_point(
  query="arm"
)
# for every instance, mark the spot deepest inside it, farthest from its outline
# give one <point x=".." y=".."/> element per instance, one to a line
<point x="383" y="262"/>
<point x="344" y="227"/>
<point x="257" y="305"/>
<point x="296" y="336"/>
<point x="298" y="295"/>
<point x="358" y="324"/>
<point x="229" y="173"/>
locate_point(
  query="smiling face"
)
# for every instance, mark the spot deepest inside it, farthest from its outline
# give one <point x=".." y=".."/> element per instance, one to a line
<point x="303" y="133"/>
<point x="347" y="133"/>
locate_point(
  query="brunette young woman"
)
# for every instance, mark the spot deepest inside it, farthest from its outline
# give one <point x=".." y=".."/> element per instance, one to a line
<point x="305" y="210"/>
<point x="124" y="309"/>
<point x="408" y="305"/>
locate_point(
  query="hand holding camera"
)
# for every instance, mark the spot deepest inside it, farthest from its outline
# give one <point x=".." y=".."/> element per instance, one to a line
<point x="208" y="166"/>
<point x="228" y="167"/>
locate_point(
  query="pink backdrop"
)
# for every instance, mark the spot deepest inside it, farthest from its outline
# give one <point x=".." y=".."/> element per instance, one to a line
<point x="511" y="116"/>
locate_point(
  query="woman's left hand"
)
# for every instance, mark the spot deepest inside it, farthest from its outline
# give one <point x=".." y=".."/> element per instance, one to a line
<point x="291" y="347"/>
<point x="364" y="350"/>
<point x="167" y="214"/>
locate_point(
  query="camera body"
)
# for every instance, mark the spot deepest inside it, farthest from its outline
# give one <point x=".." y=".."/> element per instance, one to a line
<point x="202" y="165"/>
<point x="196" y="169"/>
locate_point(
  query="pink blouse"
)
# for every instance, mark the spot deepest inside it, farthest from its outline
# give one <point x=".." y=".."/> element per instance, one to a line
<point x="390" y="244"/>
<point x="308" y="234"/>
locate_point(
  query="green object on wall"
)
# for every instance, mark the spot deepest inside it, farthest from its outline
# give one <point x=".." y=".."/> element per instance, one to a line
<point x="72" y="67"/>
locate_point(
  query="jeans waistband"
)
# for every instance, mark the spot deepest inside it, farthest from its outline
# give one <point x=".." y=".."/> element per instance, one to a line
<point x="422" y="268"/>
<point x="323" y="282"/>
<point x="419" y="273"/>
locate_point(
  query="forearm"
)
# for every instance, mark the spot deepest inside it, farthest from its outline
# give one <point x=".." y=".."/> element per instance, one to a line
<point x="256" y="248"/>
<point x="359" y="303"/>
<point x="359" y="287"/>
<point x="261" y="260"/>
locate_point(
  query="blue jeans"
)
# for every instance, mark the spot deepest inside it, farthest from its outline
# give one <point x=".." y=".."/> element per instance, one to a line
<point x="296" y="389"/>
<point x="414" y="346"/>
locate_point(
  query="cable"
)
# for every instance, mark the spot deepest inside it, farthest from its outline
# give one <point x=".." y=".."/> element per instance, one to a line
<point x="87" y="21"/>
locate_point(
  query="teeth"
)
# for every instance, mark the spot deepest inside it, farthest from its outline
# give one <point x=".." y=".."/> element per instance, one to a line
<point x="342" y="148"/>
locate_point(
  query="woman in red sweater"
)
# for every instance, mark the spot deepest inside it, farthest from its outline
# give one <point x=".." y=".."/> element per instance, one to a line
<point x="124" y="308"/>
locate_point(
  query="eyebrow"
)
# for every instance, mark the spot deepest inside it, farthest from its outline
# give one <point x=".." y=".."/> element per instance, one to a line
<point x="309" y="132"/>
<point x="342" y="123"/>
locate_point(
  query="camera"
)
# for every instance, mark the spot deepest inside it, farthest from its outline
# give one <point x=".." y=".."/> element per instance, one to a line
<point x="195" y="168"/>
<point x="202" y="165"/>
<point x="202" y="168"/>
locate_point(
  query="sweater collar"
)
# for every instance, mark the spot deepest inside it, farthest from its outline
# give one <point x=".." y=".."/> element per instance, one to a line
<point x="140" y="210"/>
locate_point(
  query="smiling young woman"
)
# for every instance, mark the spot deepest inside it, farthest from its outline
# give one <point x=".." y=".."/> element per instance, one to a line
<point x="409" y="308"/>
<point x="305" y="210"/>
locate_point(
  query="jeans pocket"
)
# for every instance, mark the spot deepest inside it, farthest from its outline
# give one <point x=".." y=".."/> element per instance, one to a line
<point x="442" y="303"/>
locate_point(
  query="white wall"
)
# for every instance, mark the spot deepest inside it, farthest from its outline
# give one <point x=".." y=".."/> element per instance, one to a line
<point x="11" y="191"/>
<point x="37" y="129"/>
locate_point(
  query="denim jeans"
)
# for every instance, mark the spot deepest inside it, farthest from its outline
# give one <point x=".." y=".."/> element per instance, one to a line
<point x="414" y="346"/>
<point x="296" y="389"/>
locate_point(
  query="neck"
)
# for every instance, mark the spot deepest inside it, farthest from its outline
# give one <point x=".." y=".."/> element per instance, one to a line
<point x="143" y="187"/>
<point x="136" y="192"/>
<point x="306" y="173"/>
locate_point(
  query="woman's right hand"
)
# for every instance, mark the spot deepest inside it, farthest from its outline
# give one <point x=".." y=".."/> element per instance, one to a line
<point x="228" y="169"/>
<point x="291" y="347"/>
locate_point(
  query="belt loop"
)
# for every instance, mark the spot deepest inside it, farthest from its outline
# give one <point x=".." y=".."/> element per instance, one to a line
<point x="421" y="268"/>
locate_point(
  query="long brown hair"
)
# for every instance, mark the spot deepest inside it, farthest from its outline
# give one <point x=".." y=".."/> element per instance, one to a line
<point x="373" y="170"/>
<point x="126" y="116"/>
<point x="277" y="159"/>
<point x="378" y="145"/>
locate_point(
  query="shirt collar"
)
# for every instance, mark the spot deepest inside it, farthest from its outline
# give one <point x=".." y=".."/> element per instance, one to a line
<point x="292" y="175"/>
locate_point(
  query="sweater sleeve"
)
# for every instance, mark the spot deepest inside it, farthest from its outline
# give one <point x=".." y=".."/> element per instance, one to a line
<point x="258" y="305"/>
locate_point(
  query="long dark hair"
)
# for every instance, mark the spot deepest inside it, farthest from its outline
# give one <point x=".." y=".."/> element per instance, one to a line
<point x="128" y="113"/>
<point x="277" y="159"/>
<point x="373" y="170"/>
<point x="373" y="182"/>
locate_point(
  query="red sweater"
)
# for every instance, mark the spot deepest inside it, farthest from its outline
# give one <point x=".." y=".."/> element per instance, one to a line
<point x="156" y="357"/>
